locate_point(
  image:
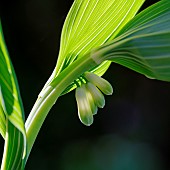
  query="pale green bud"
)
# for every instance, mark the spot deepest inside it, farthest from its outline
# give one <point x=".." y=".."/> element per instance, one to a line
<point x="96" y="94"/>
<point x="84" y="109"/>
<point x="101" y="83"/>
<point x="93" y="106"/>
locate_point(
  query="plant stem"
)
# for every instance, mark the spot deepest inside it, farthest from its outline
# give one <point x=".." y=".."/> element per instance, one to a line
<point x="47" y="99"/>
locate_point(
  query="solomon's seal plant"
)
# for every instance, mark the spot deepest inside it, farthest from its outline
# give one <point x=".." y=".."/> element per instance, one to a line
<point x="95" y="33"/>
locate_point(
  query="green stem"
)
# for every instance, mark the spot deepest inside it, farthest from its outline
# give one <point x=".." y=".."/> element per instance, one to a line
<point x="47" y="99"/>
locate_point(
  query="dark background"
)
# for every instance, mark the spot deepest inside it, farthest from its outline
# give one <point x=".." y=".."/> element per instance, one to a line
<point x="130" y="133"/>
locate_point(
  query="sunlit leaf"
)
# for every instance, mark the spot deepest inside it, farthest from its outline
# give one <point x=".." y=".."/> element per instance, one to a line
<point x="143" y="44"/>
<point x="89" y="24"/>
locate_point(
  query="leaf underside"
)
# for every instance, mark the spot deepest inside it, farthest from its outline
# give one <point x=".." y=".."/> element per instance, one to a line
<point x="143" y="45"/>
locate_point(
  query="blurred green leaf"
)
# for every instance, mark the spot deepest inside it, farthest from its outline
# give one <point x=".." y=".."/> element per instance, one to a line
<point x="143" y="45"/>
<point x="12" y="113"/>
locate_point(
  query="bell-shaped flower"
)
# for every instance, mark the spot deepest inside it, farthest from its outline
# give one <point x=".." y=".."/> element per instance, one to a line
<point x="89" y="97"/>
<point x="84" y="107"/>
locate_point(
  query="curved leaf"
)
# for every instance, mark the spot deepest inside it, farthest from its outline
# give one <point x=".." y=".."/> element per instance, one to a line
<point x="89" y="24"/>
<point x="11" y="110"/>
<point x="143" y="44"/>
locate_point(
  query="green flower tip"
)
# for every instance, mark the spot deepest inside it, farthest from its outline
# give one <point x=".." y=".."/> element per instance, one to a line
<point x="89" y="97"/>
<point x="101" y="83"/>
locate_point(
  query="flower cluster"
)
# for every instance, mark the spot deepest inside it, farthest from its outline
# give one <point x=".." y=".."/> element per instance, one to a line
<point x="89" y="97"/>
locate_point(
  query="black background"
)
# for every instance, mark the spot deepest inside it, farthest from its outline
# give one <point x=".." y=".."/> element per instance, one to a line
<point x="136" y="116"/>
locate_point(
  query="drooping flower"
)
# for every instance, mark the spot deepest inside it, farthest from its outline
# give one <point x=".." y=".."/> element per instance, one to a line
<point x="89" y="97"/>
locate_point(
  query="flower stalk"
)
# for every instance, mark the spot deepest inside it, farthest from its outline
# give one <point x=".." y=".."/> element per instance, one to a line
<point x="51" y="93"/>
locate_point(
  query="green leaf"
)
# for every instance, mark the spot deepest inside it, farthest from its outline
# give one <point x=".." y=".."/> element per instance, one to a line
<point x="89" y="24"/>
<point x="11" y="110"/>
<point x="143" y="45"/>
